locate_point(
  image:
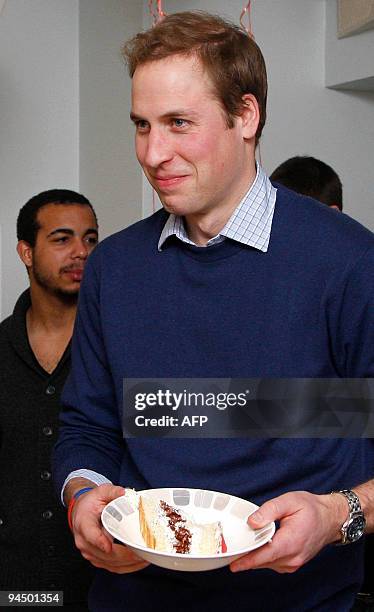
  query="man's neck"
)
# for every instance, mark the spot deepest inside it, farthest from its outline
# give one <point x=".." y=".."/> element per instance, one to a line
<point x="202" y="227"/>
<point x="51" y="313"/>
<point x="49" y="323"/>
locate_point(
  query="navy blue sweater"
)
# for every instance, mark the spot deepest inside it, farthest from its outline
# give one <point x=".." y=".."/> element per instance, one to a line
<point x="303" y="309"/>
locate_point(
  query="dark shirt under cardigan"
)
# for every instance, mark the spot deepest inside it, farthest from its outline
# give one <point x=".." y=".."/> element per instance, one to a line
<point x="36" y="547"/>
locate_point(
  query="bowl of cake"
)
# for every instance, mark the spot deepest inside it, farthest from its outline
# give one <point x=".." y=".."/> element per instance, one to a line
<point x="184" y="529"/>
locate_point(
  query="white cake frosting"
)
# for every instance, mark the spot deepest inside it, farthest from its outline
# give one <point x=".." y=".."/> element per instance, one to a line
<point x="170" y="529"/>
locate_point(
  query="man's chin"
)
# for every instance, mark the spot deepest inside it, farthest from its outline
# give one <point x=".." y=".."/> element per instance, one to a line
<point x="175" y="208"/>
<point x="67" y="295"/>
<point x="66" y="292"/>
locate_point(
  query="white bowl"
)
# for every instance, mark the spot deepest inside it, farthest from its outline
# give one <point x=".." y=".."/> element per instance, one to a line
<point x="121" y="519"/>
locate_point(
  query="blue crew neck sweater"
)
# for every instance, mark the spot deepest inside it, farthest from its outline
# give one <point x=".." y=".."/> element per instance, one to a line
<point x="303" y="309"/>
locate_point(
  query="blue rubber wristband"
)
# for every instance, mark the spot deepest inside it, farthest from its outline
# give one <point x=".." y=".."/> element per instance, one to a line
<point x="81" y="491"/>
<point x="72" y="503"/>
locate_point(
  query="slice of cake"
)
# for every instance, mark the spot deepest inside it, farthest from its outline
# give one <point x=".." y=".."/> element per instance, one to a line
<point x="169" y="529"/>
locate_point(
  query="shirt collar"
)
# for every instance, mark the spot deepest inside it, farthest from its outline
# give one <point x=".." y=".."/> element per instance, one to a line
<point x="249" y="224"/>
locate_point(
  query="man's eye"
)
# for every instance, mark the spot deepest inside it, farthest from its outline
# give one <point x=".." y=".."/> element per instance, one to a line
<point x="61" y="239"/>
<point x="141" y="125"/>
<point x="180" y="122"/>
<point x="92" y="239"/>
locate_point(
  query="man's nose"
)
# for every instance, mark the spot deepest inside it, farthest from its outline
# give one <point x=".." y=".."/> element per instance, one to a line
<point x="80" y="249"/>
<point x="158" y="148"/>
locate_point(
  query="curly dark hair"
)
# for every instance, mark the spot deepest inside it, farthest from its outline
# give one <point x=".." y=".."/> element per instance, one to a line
<point x="27" y="224"/>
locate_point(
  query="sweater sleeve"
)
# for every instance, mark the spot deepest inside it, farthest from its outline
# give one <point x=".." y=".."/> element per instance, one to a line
<point x="90" y="432"/>
<point x="351" y="319"/>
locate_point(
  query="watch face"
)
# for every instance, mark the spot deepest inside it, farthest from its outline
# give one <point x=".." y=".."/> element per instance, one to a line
<point x="356" y="528"/>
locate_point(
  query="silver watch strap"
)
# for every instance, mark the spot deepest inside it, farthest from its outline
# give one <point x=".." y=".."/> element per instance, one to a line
<point x="352" y="499"/>
<point x="355" y="513"/>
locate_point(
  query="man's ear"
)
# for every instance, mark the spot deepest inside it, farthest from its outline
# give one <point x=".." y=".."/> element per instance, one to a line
<point x="25" y="252"/>
<point x="250" y="116"/>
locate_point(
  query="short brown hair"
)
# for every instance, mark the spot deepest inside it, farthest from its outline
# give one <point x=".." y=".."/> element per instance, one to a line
<point x="231" y="58"/>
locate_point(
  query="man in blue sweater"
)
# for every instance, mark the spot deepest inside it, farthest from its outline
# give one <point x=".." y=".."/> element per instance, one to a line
<point x="232" y="279"/>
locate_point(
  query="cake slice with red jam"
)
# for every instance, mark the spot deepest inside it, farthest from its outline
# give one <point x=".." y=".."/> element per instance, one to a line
<point x="169" y="529"/>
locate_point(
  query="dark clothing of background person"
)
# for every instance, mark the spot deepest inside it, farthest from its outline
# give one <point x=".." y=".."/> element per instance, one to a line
<point x="37" y="550"/>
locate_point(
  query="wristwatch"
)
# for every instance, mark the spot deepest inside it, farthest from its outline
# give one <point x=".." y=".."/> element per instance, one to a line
<point x="354" y="526"/>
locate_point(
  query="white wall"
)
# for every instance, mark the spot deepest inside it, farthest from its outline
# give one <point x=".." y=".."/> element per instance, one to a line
<point x="304" y="116"/>
<point x="38" y="118"/>
<point x="349" y="60"/>
<point x="109" y="173"/>
<point x="64" y="99"/>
